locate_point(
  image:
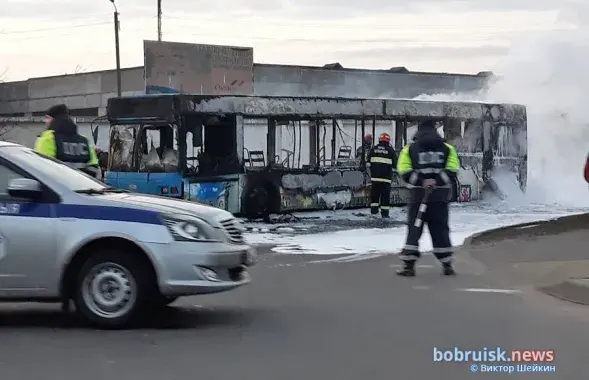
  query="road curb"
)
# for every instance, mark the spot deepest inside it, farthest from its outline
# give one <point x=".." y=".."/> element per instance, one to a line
<point x="542" y="227"/>
<point x="575" y="290"/>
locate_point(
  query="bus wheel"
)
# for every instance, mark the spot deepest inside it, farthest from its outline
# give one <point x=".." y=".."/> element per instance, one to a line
<point x="260" y="202"/>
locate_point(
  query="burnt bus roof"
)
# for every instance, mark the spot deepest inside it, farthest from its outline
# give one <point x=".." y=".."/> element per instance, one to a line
<point x="164" y="108"/>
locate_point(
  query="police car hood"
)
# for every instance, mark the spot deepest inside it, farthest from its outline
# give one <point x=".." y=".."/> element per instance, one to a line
<point x="166" y="205"/>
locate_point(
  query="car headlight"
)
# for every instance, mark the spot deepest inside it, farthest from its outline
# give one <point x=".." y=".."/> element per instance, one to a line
<point x="240" y="225"/>
<point x="189" y="229"/>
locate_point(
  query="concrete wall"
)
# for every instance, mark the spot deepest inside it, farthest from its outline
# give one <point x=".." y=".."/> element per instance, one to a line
<point x="80" y="91"/>
<point x="88" y="92"/>
<point x="317" y="81"/>
<point x="26" y="132"/>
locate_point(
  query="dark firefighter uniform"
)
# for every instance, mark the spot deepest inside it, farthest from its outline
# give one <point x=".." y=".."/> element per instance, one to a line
<point x="382" y="160"/>
<point x="62" y="141"/>
<point x="428" y="163"/>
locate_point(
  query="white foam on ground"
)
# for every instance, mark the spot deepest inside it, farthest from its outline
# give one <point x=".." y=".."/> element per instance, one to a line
<point x="464" y="221"/>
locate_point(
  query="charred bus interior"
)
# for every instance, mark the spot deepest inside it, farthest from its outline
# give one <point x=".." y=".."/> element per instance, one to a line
<point x="304" y="153"/>
<point x="272" y="158"/>
<point x="169" y="148"/>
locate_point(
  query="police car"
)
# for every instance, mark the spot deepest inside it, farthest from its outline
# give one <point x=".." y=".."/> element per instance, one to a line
<point x="65" y="236"/>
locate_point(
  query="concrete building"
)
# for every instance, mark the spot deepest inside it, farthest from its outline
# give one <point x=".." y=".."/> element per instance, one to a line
<point x="23" y="103"/>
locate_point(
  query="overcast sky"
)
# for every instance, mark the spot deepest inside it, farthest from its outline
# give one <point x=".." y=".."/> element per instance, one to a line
<point x="43" y="38"/>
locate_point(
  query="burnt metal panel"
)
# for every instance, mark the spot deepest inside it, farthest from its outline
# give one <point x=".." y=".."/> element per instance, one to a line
<point x="413" y="109"/>
<point x="156" y="108"/>
<point x="283" y="106"/>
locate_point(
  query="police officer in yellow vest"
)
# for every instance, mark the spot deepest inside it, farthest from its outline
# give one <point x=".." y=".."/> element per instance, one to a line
<point x="61" y="141"/>
<point x="429" y="166"/>
<point x="381" y="160"/>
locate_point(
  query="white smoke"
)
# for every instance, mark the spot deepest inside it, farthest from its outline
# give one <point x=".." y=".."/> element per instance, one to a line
<point x="548" y="73"/>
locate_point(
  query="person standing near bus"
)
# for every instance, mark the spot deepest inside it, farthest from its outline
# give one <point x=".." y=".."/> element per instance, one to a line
<point x="429" y="166"/>
<point x="61" y="141"/>
<point x="382" y="161"/>
<point x="366" y="145"/>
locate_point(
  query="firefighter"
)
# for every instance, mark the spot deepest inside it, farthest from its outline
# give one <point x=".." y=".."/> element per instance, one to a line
<point x="381" y="160"/>
<point x="61" y="141"/>
<point x="367" y="144"/>
<point x="428" y="165"/>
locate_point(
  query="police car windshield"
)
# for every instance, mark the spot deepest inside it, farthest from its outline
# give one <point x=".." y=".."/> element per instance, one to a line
<point x="66" y="176"/>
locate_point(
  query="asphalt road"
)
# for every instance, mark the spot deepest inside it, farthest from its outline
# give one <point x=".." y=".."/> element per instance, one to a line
<point x="331" y="320"/>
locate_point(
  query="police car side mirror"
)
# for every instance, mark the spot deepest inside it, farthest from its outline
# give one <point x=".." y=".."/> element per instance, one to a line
<point x="25" y="188"/>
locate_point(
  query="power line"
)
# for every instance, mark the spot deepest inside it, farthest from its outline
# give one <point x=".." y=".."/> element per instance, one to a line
<point x="346" y="41"/>
<point x="281" y="24"/>
<point x="64" y="27"/>
<point x="55" y="28"/>
<point x="328" y="25"/>
<point x="243" y="38"/>
<point x="41" y="37"/>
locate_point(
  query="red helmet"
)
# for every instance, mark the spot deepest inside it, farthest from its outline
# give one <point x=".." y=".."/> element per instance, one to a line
<point x="384" y="137"/>
<point x="368" y="138"/>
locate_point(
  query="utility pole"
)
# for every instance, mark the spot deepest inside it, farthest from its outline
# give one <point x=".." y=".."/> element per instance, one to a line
<point x="117" y="50"/>
<point x="159" y="20"/>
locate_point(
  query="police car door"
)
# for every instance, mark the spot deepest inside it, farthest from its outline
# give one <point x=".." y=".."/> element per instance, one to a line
<point x="27" y="240"/>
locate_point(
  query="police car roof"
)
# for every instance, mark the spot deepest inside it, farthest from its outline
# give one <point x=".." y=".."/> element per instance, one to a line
<point x="4" y="144"/>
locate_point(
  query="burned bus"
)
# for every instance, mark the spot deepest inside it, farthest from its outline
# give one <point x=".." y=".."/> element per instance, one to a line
<point x="255" y="155"/>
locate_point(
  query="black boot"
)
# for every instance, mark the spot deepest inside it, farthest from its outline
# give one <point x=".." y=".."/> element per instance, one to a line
<point x="448" y="270"/>
<point x="384" y="214"/>
<point x="408" y="269"/>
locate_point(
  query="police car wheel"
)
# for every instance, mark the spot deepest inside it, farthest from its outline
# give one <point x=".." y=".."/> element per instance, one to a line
<point x="111" y="288"/>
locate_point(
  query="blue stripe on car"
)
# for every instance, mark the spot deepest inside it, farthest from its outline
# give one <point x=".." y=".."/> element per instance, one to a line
<point x="115" y="214"/>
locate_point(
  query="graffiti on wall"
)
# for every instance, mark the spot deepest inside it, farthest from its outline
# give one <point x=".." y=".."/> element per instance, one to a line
<point x="224" y="195"/>
<point x="331" y="200"/>
<point x="334" y="190"/>
<point x="330" y="190"/>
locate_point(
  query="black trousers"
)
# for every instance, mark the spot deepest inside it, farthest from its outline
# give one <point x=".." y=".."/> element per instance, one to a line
<point x="380" y="198"/>
<point x="436" y="218"/>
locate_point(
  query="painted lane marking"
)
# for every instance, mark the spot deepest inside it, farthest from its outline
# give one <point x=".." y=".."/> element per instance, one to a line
<point x="530" y="226"/>
<point x="485" y="290"/>
<point x="473" y="290"/>
<point x="343" y="259"/>
<point x="361" y="257"/>
<point x="349" y="258"/>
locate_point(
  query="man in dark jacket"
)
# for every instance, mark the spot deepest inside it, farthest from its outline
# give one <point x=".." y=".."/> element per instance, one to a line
<point x="429" y="166"/>
<point x="381" y="160"/>
<point x="61" y="141"/>
<point x="59" y="110"/>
